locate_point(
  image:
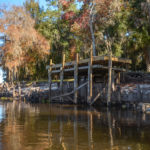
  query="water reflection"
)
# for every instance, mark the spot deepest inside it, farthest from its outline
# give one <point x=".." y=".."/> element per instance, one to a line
<point x="64" y="127"/>
<point x="2" y="116"/>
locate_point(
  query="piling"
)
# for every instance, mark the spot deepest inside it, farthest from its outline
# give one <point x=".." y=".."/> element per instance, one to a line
<point x="90" y="78"/>
<point x="50" y="78"/>
<point x="76" y="78"/>
<point x="109" y="78"/>
<point x="62" y="76"/>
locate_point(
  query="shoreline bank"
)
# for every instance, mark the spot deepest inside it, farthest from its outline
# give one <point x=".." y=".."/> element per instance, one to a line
<point x="129" y="91"/>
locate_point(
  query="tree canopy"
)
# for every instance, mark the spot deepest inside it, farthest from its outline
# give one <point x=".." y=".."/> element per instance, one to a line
<point x="24" y="46"/>
<point x="72" y="26"/>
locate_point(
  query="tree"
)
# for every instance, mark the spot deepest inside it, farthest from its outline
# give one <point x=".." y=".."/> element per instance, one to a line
<point x="54" y="25"/>
<point x="24" y="46"/>
<point x="139" y="37"/>
<point x="90" y="21"/>
<point x="34" y="9"/>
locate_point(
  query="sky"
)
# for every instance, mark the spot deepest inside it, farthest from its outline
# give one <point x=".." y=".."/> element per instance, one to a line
<point x="19" y="2"/>
<point x="1" y="113"/>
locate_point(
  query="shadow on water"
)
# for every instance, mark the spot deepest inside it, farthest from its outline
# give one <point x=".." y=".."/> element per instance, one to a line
<point x="26" y="126"/>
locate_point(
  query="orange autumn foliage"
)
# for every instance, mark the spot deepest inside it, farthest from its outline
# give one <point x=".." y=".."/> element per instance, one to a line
<point x="23" y="44"/>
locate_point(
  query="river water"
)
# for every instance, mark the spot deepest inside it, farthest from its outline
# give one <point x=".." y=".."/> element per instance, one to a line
<point x="26" y="126"/>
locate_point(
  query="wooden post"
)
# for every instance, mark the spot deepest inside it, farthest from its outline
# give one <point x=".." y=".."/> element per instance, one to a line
<point x="19" y="90"/>
<point x="13" y="75"/>
<point x="90" y="79"/>
<point x="119" y="90"/>
<point x="62" y="76"/>
<point x="10" y="76"/>
<point x="14" y="91"/>
<point x="113" y="80"/>
<point x="109" y="78"/>
<point x="118" y="78"/>
<point x="50" y="78"/>
<point x="76" y="78"/>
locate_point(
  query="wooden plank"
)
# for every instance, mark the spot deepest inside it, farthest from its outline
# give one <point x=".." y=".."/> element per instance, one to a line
<point x="95" y="58"/>
<point x="119" y="60"/>
<point x="84" y="84"/>
<point x="50" y="78"/>
<point x="106" y="58"/>
<point x="65" y="80"/>
<point x="71" y="63"/>
<point x="56" y="71"/>
<point x="56" y="66"/>
<point x="86" y="67"/>
<point x="106" y="67"/>
<point x="95" y="99"/>
<point x="76" y="78"/>
<point x="90" y="79"/>
<point x="62" y="76"/>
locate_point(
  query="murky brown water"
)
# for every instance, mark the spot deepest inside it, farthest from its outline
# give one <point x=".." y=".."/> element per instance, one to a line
<point x="53" y="127"/>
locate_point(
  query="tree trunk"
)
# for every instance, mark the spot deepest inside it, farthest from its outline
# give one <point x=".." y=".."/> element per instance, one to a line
<point x="93" y="37"/>
<point x="91" y="28"/>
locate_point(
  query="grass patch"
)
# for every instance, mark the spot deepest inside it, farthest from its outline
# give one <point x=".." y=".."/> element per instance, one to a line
<point x="6" y="98"/>
<point x="66" y="80"/>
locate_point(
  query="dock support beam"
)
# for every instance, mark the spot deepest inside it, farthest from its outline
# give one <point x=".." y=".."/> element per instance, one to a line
<point x="19" y="90"/>
<point x="62" y="76"/>
<point x="109" y="78"/>
<point x="118" y="78"/>
<point x="14" y="90"/>
<point x="50" y="79"/>
<point x="113" y="81"/>
<point x="76" y="78"/>
<point x="90" y="79"/>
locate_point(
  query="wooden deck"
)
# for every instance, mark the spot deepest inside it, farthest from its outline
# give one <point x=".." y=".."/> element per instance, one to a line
<point x="94" y="66"/>
<point x="99" y="63"/>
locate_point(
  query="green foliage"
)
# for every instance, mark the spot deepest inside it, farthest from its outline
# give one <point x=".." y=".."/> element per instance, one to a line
<point x="139" y="39"/>
<point x="57" y="30"/>
<point x="33" y="8"/>
<point x="127" y="29"/>
<point x="129" y="32"/>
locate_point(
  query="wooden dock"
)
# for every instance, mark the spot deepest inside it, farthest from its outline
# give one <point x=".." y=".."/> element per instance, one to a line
<point x="103" y="68"/>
